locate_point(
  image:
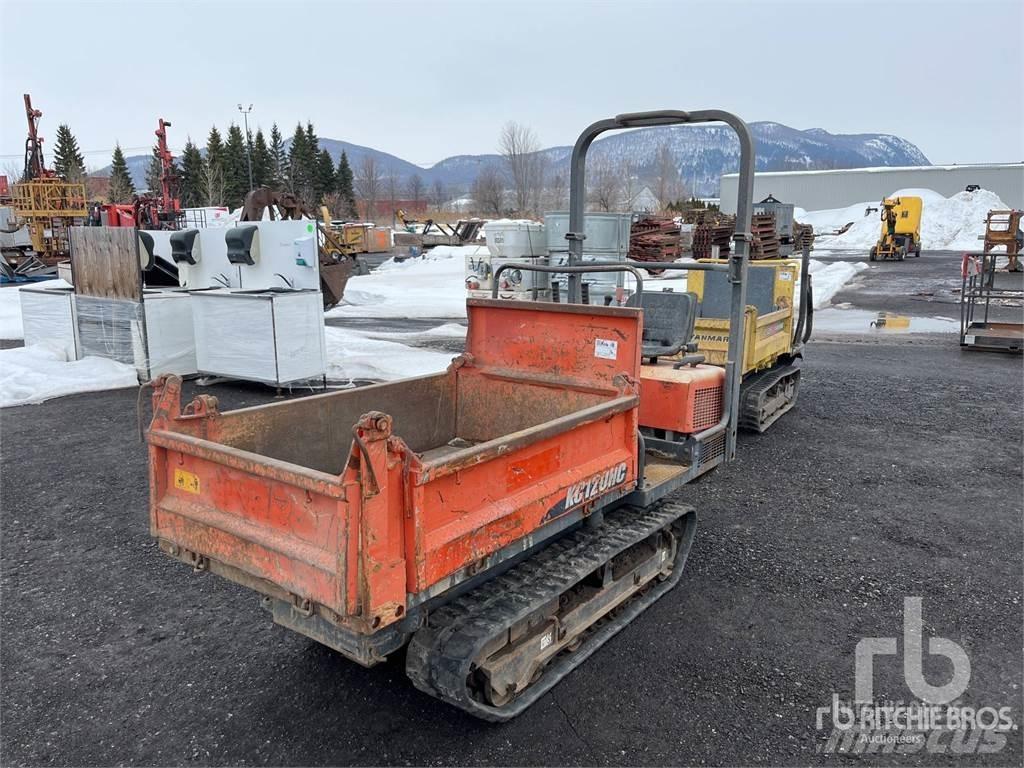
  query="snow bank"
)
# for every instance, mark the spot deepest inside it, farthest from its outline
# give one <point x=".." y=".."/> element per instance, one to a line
<point x="952" y="223"/>
<point x="41" y="372"/>
<point x="828" y="279"/>
<point x="352" y="355"/>
<point x="433" y="285"/>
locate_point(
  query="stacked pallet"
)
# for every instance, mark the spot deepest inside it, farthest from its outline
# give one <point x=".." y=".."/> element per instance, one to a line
<point x="765" y="240"/>
<point x="803" y="234"/>
<point x="710" y="232"/>
<point x="654" y="238"/>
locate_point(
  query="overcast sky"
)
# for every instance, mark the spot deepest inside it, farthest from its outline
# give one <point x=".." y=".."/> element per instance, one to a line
<point x="425" y="80"/>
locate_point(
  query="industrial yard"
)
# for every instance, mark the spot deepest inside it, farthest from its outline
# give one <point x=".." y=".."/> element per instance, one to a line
<point x="445" y="391"/>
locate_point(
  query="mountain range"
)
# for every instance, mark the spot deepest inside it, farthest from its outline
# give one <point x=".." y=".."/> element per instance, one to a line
<point x="702" y="153"/>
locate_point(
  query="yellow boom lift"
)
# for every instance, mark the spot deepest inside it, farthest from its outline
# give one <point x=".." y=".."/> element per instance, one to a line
<point x="901" y="229"/>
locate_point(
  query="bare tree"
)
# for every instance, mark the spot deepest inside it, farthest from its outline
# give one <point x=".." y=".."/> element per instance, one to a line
<point x="603" y="186"/>
<point x="211" y="179"/>
<point x="629" y="184"/>
<point x="414" y="188"/>
<point x="488" y="191"/>
<point x="667" y="181"/>
<point x="525" y="165"/>
<point x="438" y="195"/>
<point x="368" y="184"/>
<point x="557" y="192"/>
<point x="392" y="187"/>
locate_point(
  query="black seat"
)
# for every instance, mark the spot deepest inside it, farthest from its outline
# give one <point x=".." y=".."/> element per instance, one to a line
<point x="669" y="318"/>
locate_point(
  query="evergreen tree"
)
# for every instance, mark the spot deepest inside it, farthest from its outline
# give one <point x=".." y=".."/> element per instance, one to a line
<point x="67" y="157"/>
<point x="278" y="159"/>
<point x="262" y="162"/>
<point x="236" y="168"/>
<point x="122" y="189"/>
<point x="191" y="176"/>
<point x="213" y="170"/>
<point x="324" y="182"/>
<point x="346" y="187"/>
<point x="302" y="165"/>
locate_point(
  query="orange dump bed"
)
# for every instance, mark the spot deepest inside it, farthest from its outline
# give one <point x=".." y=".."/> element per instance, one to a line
<point x="355" y="506"/>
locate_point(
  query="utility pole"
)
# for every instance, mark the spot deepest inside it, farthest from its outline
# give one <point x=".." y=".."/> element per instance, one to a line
<point x="248" y="140"/>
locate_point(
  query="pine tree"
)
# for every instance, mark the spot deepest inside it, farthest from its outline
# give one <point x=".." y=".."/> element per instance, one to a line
<point x="122" y="189"/>
<point x="324" y="179"/>
<point x="278" y="159"/>
<point x="213" y="172"/>
<point x="236" y="169"/>
<point x="346" y="187"/>
<point x="262" y="162"/>
<point x="302" y="165"/>
<point x="191" y="176"/>
<point x="67" y="158"/>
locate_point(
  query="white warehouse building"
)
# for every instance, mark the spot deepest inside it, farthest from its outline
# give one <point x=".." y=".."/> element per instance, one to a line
<point x="821" y="190"/>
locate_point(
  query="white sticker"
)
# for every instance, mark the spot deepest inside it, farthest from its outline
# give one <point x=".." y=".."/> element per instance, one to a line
<point x="606" y="349"/>
<point x="969" y="339"/>
<point x="546" y="640"/>
<point x="785" y="276"/>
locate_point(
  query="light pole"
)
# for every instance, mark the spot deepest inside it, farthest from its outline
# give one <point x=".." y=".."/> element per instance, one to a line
<point x="248" y="141"/>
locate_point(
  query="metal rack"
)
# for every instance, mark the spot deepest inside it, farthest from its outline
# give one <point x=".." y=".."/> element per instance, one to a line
<point x="982" y="285"/>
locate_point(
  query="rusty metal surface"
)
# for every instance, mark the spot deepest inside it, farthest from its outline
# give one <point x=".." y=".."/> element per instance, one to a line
<point x="334" y="277"/>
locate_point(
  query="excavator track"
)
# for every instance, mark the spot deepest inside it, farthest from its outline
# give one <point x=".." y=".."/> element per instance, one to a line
<point x="766" y="396"/>
<point x="496" y="650"/>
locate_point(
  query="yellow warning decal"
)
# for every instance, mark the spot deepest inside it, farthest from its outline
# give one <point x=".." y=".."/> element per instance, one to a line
<point x="186" y="481"/>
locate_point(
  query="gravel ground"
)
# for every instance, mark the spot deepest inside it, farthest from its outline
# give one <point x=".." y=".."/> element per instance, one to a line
<point x="899" y="474"/>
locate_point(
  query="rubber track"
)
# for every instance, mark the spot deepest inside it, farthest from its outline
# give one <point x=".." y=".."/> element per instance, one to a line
<point x="441" y="654"/>
<point x="755" y="388"/>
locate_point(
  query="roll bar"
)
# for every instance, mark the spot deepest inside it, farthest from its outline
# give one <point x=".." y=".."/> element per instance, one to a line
<point x="737" y="266"/>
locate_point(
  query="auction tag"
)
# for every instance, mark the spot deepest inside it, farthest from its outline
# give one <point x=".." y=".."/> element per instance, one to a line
<point x="186" y="481"/>
<point x="606" y="349"/>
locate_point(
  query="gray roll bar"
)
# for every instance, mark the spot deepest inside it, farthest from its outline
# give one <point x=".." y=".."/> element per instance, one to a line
<point x="741" y="237"/>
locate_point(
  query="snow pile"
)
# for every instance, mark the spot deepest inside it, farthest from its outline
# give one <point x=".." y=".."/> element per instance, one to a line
<point x="828" y="279"/>
<point x="433" y="285"/>
<point x="953" y="223"/>
<point x="40" y="372"/>
<point x="354" y="355"/>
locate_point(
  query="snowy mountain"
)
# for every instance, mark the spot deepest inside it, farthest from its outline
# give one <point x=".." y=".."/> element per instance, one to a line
<point x="702" y="153"/>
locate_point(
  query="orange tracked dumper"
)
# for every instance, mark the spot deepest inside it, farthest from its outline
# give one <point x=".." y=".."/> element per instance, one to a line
<point x="502" y="519"/>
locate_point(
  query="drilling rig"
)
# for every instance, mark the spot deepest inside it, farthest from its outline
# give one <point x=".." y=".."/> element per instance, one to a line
<point x="44" y="203"/>
<point x="152" y="210"/>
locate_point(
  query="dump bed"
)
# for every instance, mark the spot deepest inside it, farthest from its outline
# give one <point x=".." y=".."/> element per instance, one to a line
<point x="355" y="506"/>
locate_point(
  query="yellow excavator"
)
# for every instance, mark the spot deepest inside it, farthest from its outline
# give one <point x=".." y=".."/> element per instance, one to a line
<point x="901" y="229"/>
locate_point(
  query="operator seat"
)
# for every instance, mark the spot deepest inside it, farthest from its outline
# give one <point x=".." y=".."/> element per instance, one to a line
<point x="669" y="318"/>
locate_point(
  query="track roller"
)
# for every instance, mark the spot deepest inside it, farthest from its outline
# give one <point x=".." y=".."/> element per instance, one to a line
<point x="497" y="649"/>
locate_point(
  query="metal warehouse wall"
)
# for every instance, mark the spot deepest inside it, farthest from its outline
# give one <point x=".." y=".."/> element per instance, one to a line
<point x="819" y="190"/>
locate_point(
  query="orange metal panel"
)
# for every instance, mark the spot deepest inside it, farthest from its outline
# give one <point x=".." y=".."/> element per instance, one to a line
<point x="685" y="400"/>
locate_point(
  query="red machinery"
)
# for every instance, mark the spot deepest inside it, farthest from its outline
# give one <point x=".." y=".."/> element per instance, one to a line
<point x="149" y="211"/>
